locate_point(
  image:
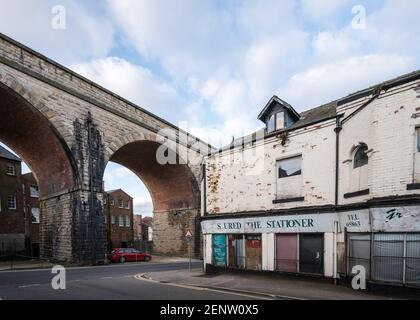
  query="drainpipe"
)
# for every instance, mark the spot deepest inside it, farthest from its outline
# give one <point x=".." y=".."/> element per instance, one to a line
<point x="337" y="130"/>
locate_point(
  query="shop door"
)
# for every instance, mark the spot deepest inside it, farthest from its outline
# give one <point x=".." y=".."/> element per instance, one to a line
<point x="253" y="252"/>
<point x="236" y="251"/>
<point x="286" y="252"/>
<point x="311" y="253"/>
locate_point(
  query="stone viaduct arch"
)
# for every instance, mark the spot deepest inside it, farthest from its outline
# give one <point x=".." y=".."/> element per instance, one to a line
<point x="67" y="128"/>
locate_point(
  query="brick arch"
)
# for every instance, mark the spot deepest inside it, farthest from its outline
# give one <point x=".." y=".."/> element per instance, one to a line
<point x="33" y="137"/>
<point x="172" y="186"/>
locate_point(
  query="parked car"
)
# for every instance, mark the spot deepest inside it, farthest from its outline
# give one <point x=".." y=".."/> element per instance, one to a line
<point x="128" y="254"/>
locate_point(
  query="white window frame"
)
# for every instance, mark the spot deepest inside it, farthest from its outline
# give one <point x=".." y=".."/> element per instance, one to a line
<point x="11" y="166"/>
<point x="127" y="205"/>
<point x="127" y="221"/>
<point x="112" y="202"/>
<point x="112" y="219"/>
<point x="121" y="221"/>
<point x="31" y="191"/>
<point x="120" y="203"/>
<point x="8" y="202"/>
<point x="39" y="215"/>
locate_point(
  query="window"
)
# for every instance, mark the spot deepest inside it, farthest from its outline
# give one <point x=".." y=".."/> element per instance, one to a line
<point x="360" y="157"/>
<point x="105" y="200"/>
<point x="34" y="191"/>
<point x="35" y="215"/>
<point x="112" y="219"/>
<point x="127" y="205"/>
<point x="120" y="203"/>
<point x="127" y="221"/>
<point x="289" y="167"/>
<point x="112" y="202"/>
<point x="11" y="202"/>
<point x="106" y="219"/>
<point x="121" y="221"/>
<point x="275" y="122"/>
<point x="271" y="123"/>
<point x="10" y="169"/>
<point x="279" y="120"/>
<point x="418" y="139"/>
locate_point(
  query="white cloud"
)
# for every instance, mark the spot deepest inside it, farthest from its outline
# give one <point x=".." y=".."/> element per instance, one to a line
<point x="143" y="205"/>
<point x="135" y="83"/>
<point x="327" y="82"/>
<point x="322" y="10"/>
<point x="87" y="34"/>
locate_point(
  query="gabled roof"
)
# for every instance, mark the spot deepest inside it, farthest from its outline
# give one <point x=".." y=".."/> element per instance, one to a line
<point x="6" y="154"/>
<point x="118" y="190"/>
<point x="281" y="102"/>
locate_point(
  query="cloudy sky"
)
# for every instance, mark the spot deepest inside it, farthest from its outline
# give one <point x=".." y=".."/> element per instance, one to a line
<point x="210" y="66"/>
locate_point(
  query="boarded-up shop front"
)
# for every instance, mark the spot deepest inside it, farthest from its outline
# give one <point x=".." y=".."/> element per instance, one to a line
<point x="236" y="251"/>
<point x="311" y="253"/>
<point x="219" y="250"/>
<point x="287" y="252"/>
<point x="253" y="252"/>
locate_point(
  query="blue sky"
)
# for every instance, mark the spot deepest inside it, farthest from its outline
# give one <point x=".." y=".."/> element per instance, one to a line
<point x="210" y="66"/>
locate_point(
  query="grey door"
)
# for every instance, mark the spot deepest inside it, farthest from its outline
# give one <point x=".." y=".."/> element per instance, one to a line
<point x="311" y="253"/>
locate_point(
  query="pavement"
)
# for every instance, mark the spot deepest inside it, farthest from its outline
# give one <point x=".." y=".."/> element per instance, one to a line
<point x="270" y="286"/>
<point x="110" y="282"/>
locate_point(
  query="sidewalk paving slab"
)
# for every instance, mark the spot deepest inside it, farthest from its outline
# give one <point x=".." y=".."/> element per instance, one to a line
<point x="282" y="287"/>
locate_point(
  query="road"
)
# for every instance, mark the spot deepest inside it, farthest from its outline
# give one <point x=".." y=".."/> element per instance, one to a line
<point x="111" y="282"/>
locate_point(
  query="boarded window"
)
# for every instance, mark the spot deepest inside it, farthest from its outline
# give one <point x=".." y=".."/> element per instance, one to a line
<point x="253" y="252"/>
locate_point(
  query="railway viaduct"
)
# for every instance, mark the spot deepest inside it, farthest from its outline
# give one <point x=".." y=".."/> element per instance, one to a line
<point x="67" y="128"/>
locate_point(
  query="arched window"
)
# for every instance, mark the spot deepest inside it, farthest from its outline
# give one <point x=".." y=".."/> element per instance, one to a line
<point x="360" y="157"/>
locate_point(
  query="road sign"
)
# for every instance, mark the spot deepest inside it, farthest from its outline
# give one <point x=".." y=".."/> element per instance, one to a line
<point x="189" y="234"/>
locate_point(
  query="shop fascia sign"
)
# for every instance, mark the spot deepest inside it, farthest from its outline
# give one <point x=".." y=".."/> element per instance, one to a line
<point x="276" y="224"/>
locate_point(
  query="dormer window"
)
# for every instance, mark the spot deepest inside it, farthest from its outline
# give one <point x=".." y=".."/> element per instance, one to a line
<point x="278" y="115"/>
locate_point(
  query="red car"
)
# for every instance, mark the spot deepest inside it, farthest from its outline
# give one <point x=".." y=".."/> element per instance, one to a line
<point x="128" y="254"/>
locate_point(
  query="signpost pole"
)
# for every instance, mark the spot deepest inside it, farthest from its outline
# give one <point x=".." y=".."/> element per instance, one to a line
<point x="189" y="253"/>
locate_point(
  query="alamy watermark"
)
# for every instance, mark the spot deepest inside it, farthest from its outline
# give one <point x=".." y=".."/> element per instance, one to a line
<point x="59" y="19"/>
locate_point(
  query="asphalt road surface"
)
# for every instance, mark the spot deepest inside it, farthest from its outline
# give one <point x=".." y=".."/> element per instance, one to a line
<point x="111" y="282"/>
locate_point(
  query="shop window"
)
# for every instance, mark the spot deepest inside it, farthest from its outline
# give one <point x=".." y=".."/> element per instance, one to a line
<point x="289" y="178"/>
<point x="253" y="252"/>
<point x="388" y="257"/>
<point x="359" y="247"/>
<point x="35" y="215"/>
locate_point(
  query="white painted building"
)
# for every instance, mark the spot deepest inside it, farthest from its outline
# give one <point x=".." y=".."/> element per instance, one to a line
<point x="322" y="191"/>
